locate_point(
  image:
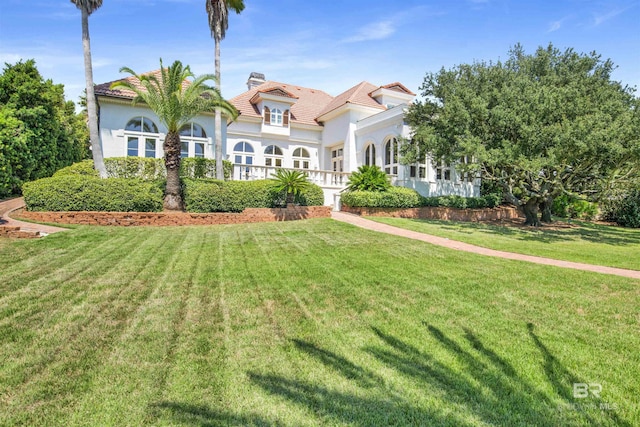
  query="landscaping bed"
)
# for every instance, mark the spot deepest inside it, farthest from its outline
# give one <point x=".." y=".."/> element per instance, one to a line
<point x="441" y="213"/>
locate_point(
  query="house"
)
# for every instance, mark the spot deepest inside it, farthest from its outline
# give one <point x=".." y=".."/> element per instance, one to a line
<point x="282" y="125"/>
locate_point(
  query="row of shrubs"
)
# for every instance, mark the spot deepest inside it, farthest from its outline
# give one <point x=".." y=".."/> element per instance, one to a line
<point x="400" y="197"/>
<point x="202" y="195"/>
<point x="62" y="193"/>
<point x="78" y="192"/>
<point x="148" y="168"/>
<point x="623" y="208"/>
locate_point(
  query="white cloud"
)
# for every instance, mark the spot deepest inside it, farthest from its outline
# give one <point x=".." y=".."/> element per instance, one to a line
<point x="600" y="18"/>
<point x="554" y="26"/>
<point x="376" y="31"/>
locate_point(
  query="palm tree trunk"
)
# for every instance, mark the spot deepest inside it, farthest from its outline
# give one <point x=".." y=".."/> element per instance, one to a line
<point x="94" y="137"/>
<point x="172" y="197"/>
<point x="218" y="119"/>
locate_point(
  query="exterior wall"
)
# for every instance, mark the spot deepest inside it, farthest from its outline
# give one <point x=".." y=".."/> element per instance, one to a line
<point x="114" y="116"/>
<point x="252" y="133"/>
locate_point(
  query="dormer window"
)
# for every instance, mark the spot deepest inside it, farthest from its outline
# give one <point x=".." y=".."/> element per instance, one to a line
<point x="275" y="117"/>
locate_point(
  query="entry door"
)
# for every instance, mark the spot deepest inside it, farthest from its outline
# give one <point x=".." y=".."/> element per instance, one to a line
<point x="337" y="163"/>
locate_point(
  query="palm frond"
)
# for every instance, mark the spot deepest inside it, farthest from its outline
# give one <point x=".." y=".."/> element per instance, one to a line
<point x="89" y="5"/>
<point x="174" y="98"/>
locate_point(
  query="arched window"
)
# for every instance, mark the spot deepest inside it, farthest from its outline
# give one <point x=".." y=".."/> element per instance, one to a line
<point x="276" y="117"/>
<point x="301" y="158"/>
<point x="273" y="156"/>
<point x="243" y="155"/>
<point x="370" y="155"/>
<point x="391" y="156"/>
<point x="141" y="134"/>
<point x="193" y="139"/>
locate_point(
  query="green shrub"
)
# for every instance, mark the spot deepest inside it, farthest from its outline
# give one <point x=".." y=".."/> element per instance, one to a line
<point x="148" y="168"/>
<point x="395" y="197"/>
<point x="623" y="209"/>
<point x="289" y="182"/>
<point x="368" y="178"/>
<point x="87" y="193"/>
<point x="406" y="198"/>
<point x="208" y="195"/>
<point x="570" y="206"/>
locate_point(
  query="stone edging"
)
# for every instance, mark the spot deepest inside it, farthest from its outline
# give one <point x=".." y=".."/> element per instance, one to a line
<point x="290" y="213"/>
<point x="440" y="213"/>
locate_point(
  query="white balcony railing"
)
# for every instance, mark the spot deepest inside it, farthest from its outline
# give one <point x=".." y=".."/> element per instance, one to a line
<point x="322" y="178"/>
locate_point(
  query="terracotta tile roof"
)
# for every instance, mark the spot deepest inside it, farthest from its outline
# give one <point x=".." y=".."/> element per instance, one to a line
<point x="399" y="87"/>
<point x="104" y="89"/>
<point x="305" y="110"/>
<point x="359" y="95"/>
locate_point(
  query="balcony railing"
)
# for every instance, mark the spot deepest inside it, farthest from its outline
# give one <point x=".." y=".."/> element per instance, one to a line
<point x="322" y="178"/>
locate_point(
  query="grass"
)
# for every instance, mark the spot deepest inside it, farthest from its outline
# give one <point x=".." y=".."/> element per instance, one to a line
<point x="585" y="242"/>
<point x="301" y="324"/>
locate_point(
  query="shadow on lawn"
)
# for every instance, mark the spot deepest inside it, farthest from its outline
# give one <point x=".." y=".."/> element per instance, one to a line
<point x="201" y="415"/>
<point x="587" y="232"/>
<point x="485" y="387"/>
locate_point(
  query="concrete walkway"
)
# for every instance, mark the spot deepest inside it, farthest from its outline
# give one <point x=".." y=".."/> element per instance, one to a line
<point x="8" y="206"/>
<point x="453" y="244"/>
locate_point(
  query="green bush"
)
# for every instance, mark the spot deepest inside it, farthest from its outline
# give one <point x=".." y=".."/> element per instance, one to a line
<point x="623" y="209"/>
<point x="406" y="198"/>
<point x="570" y="206"/>
<point x="395" y="197"/>
<point x="368" y="178"/>
<point x="87" y="193"/>
<point x="148" y="168"/>
<point x="208" y="195"/>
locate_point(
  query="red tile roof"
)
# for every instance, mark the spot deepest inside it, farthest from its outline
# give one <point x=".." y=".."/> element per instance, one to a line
<point x="104" y="89"/>
<point x="359" y="95"/>
<point x="309" y="105"/>
<point x="305" y="110"/>
<point x="398" y="87"/>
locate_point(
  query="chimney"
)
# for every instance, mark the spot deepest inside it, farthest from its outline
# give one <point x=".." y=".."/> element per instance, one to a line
<point x="255" y="79"/>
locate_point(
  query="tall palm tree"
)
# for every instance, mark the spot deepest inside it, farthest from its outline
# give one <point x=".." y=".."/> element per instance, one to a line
<point x="218" y="11"/>
<point x="87" y="7"/>
<point x="175" y="100"/>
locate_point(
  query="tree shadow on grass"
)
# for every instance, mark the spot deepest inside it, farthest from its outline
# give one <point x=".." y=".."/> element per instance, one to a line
<point x="594" y="233"/>
<point x="479" y="386"/>
<point x="202" y="415"/>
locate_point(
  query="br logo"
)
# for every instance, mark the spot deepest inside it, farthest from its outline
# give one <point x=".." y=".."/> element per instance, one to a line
<point x="582" y="390"/>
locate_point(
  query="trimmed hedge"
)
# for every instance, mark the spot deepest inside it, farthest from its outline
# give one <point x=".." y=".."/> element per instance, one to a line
<point x="394" y="197"/>
<point x="400" y="197"/>
<point x="148" y="168"/>
<point x="235" y="196"/>
<point x="87" y="193"/>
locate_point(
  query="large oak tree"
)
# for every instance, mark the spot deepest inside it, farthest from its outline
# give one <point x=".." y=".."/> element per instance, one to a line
<point x="537" y="125"/>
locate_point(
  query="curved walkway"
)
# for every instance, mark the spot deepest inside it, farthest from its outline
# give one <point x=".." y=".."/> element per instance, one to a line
<point x="8" y="206"/>
<point x="460" y="246"/>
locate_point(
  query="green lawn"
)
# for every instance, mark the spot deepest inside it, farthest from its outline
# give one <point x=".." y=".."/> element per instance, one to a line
<point x="585" y="242"/>
<point x="301" y="324"/>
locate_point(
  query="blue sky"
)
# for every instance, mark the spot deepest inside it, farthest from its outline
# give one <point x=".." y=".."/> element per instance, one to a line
<point x="325" y="45"/>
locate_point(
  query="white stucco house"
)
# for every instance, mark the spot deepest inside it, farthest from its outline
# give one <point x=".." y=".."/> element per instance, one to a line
<point x="283" y="125"/>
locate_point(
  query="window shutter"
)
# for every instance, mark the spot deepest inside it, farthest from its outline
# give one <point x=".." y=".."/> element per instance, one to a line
<point x="267" y="116"/>
<point x="285" y="118"/>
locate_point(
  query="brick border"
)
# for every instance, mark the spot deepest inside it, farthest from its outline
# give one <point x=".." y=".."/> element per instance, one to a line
<point x="441" y="213"/>
<point x="249" y="215"/>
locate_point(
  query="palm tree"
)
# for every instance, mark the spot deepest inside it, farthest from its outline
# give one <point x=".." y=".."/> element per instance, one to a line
<point x="175" y="100"/>
<point x="218" y="11"/>
<point x="290" y="182"/>
<point x="87" y="7"/>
